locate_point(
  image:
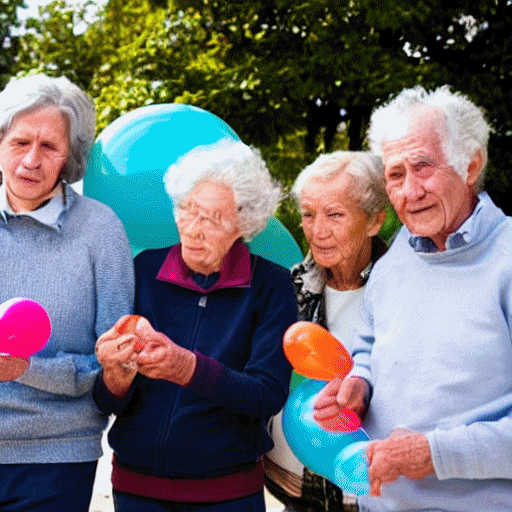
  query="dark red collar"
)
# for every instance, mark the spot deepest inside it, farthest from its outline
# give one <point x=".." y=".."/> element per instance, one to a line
<point x="235" y="271"/>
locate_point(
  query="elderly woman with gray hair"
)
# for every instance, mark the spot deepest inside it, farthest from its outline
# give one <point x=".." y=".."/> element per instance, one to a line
<point x="195" y="380"/>
<point x="342" y="199"/>
<point x="70" y="254"/>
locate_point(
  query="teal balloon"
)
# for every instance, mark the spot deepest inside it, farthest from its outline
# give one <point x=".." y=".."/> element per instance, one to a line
<point x="338" y="456"/>
<point x="128" y="163"/>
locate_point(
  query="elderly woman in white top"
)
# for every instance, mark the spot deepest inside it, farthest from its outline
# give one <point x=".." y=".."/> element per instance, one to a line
<point x="195" y="384"/>
<point x="342" y="199"/>
<point x="70" y="254"/>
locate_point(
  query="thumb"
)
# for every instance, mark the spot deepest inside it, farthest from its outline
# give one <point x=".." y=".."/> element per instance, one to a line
<point x="144" y="329"/>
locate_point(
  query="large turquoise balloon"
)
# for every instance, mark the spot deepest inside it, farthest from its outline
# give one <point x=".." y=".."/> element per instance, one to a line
<point x="338" y="456"/>
<point x="130" y="158"/>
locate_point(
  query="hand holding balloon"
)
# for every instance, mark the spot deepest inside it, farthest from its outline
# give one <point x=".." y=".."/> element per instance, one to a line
<point x="342" y="398"/>
<point x="24" y="329"/>
<point x="161" y="358"/>
<point x="334" y="446"/>
<point x="116" y="353"/>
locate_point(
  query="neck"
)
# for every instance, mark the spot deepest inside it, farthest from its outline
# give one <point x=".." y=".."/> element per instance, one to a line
<point x="20" y="205"/>
<point x="347" y="275"/>
<point x="440" y="240"/>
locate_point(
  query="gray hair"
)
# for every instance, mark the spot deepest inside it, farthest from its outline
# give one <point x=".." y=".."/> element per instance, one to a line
<point x="465" y="132"/>
<point x="38" y="91"/>
<point x="365" y="169"/>
<point x="236" y="165"/>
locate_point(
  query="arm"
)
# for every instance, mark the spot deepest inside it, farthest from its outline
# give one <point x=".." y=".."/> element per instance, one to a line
<point x="73" y="374"/>
<point x="260" y="390"/>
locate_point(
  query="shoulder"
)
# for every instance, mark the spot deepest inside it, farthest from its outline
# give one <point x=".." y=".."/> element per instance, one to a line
<point x="268" y="270"/>
<point x="88" y="210"/>
<point x="150" y="259"/>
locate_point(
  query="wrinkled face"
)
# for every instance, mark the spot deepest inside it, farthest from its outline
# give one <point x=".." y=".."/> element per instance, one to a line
<point x="429" y="197"/>
<point x="32" y="154"/>
<point x="207" y="222"/>
<point x="335" y="226"/>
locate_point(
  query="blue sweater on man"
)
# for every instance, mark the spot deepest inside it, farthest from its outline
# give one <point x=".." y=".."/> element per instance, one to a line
<point x="437" y="349"/>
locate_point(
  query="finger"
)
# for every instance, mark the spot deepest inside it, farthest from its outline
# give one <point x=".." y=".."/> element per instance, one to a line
<point x="326" y="412"/>
<point x="370" y="450"/>
<point x="323" y="401"/>
<point x="152" y="355"/>
<point x="375" y="487"/>
<point x="144" y="329"/>
<point x="345" y="393"/>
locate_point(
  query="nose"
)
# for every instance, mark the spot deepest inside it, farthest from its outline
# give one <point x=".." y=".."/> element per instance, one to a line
<point x="320" y="227"/>
<point x="32" y="158"/>
<point x="193" y="228"/>
<point x="412" y="188"/>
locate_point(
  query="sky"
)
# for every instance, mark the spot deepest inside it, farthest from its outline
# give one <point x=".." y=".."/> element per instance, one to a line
<point x="31" y="11"/>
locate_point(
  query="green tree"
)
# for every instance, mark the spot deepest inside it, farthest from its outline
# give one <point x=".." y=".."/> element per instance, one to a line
<point x="9" y="25"/>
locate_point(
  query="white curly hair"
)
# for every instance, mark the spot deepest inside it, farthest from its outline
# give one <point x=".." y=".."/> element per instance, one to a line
<point x="365" y="169"/>
<point x="464" y="133"/>
<point x="236" y="165"/>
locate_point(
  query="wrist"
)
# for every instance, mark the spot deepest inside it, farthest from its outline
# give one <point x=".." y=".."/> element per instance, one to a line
<point x="185" y="367"/>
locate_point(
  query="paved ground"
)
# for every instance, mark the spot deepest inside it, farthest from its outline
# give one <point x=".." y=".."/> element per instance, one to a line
<point x="102" y="497"/>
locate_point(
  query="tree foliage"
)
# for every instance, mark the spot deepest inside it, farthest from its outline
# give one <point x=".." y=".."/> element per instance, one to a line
<point x="9" y="24"/>
<point x="294" y="78"/>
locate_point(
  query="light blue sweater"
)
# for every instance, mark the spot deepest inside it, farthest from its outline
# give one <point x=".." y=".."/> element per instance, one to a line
<point x="75" y="260"/>
<point x="437" y="349"/>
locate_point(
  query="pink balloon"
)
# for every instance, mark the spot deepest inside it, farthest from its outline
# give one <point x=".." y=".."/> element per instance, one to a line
<point x="24" y="327"/>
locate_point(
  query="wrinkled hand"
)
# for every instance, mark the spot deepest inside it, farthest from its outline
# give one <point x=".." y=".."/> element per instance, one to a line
<point x="116" y="354"/>
<point x="404" y="452"/>
<point x="12" y="367"/>
<point x="161" y="358"/>
<point x="339" y="394"/>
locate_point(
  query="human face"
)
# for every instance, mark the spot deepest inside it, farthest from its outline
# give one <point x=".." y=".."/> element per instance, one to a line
<point x="429" y="197"/>
<point x="337" y="230"/>
<point x="207" y="222"/>
<point x="32" y="155"/>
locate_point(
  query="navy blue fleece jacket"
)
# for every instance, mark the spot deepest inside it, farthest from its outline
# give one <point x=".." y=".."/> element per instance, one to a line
<point x="216" y="424"/>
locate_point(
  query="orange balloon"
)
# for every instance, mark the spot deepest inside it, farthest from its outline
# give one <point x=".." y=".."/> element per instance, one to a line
<point x="127" y="326"/>
<point x="315" y="353"/>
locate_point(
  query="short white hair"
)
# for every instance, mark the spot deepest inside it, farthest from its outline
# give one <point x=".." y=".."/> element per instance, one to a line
<point x="38" y="91"/>
<point x="235" y="165"/>
<point x="365" y="169"/>
<point x="465" y="132"/>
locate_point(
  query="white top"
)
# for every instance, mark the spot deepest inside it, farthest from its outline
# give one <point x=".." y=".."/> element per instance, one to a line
<point x="342" y="309"/>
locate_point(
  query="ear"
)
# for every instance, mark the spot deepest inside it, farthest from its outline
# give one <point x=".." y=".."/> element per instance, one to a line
<point x="375" y="224"/>
<point x="474" y="168"/>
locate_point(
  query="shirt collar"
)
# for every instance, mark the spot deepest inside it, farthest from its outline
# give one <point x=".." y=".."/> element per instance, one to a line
<point x="49" y="214"/>
<point x="463" y="236"/>
<point x="235" y="271"/>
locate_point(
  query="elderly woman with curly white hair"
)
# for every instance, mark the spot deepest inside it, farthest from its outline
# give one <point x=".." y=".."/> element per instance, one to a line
<point x="194" y="383"/>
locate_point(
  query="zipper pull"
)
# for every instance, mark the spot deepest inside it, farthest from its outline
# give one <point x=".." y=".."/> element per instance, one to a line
<point x="202" y="301"/>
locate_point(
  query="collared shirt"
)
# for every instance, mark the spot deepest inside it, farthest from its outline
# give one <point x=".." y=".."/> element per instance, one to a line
<point x="463" y="236"/>
<point x="49" y="214"/>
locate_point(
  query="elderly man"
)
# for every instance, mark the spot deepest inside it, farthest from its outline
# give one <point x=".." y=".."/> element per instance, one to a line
<point x="435" y="349"/>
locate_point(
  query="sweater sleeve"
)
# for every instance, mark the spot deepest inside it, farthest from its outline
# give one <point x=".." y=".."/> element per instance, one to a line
<point x="260" y="390"/>
<point x="73" y="374"/>
<point x="476" y="450"/>
<point x="363" y="343"/>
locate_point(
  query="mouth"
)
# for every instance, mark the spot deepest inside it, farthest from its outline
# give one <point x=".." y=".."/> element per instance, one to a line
<point x="416" y="211"/>
<point x="29" y="179"/>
